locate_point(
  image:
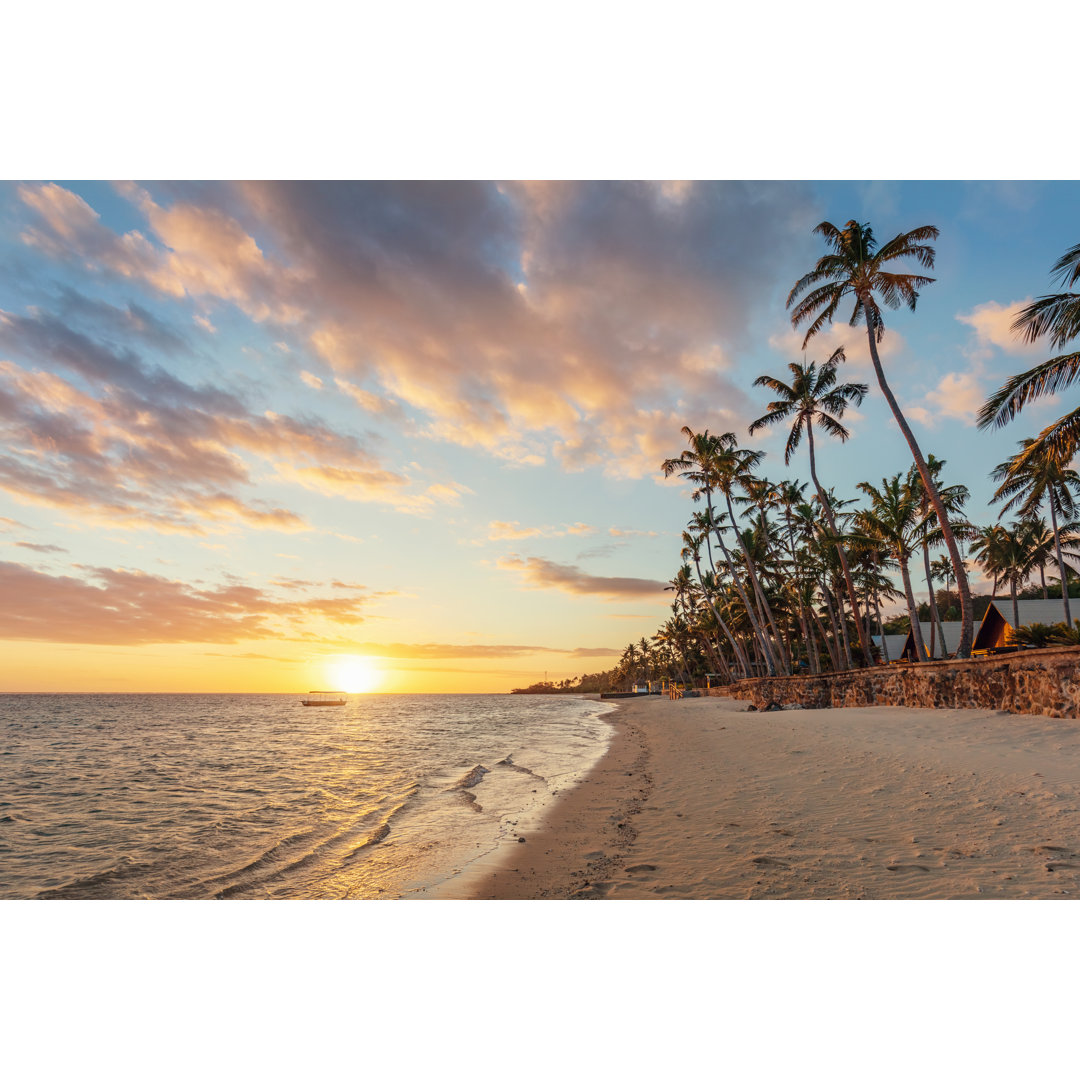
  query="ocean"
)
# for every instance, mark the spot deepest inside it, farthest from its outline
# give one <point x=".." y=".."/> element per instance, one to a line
<point x="249" y="796"/>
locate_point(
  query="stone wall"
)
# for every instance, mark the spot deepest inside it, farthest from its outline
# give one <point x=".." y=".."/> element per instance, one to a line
<point x="1045" y="682"/>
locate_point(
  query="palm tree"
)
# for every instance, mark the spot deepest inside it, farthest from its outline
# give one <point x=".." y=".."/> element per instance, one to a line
<point x="954" y="496"/>
<point x="1057" y="317"/>
<point x="710" y="464"/>
<point x="813" y="394"/>
<point x="941" y="569"/>
<point x="692" y="546"/>
<point x="735" y="469"/>
<point x="1005" y="554"/>
<point x="893" y="518"/>
<point x="1038" y="473"/>
<point x="857" y="267"/>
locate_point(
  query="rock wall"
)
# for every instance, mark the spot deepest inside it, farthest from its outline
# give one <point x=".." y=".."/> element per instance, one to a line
<point x="1045" y="682"/>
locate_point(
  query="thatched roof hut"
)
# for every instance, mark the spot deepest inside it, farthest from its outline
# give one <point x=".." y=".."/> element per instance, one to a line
<point x="999" y="619"/>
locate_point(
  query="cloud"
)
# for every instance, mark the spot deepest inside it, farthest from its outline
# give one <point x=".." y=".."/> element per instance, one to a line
<point x="108" y="606"/>
<point x="835" y="335"/>
<point x="311" y="380"/>
<point x="526" y="320"/>
<point x="544" y="574"/>
<point x="107" y="436"/>
<point x="514" y="530"/>
<point x="44" y="549"/>
<point x="991" y="323"/>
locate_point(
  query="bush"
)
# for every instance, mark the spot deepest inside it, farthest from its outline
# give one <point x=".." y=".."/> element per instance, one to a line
<point x="1039" y="635"/>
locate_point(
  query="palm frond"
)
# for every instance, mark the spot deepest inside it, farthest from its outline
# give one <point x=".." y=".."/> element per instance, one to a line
<point x="1056" y="316"/>
<point x="1057" y="373"/>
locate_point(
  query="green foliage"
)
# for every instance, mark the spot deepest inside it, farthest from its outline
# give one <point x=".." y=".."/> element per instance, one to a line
<point x="1035" y="635"/>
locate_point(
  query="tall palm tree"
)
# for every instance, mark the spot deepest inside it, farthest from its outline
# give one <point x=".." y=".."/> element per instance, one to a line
<point x="1056" y="317"/>
<point x="857" y="267"/>
<point x="893" y="518"/>
<point x="813" y="394"/>
<point x="1038" y="473"/>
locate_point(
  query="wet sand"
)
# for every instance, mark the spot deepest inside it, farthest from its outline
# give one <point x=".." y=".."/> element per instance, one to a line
<point x="700" y="799"/>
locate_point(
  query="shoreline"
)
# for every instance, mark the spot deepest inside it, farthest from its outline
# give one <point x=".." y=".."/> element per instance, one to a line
<point x="699" y="799"/>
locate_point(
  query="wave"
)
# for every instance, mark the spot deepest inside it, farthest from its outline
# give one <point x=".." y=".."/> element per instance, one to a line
<point x="472" y="777"/>
<point x="96" y="886"/>
<point x="508" y="762"/>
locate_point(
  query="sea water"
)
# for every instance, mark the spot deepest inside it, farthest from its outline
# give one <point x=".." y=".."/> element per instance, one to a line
<point x="244" y="796"/>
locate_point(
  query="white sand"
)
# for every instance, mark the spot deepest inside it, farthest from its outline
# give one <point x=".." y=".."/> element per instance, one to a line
<point x="701" y="799"/>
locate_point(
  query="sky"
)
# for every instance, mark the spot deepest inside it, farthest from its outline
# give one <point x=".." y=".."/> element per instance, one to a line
<point x="250" y="429"/>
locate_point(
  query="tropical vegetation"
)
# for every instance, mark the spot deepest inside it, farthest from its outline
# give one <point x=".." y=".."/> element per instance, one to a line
<point x="780" y="577"/>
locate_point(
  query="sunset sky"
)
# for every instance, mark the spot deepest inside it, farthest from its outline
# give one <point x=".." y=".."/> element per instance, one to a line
<point x="249" y="428"/>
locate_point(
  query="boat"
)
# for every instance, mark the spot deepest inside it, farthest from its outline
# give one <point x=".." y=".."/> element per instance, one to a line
<point x="325" y="697"/>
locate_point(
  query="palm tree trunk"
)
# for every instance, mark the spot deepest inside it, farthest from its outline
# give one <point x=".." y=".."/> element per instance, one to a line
<point x="913" y="613"/>
<point x="935" y="617"/>
<point x="1060" y="560"/>
<point x="864" y="644"/>
<point x="966" y="611"/>
<point x="833" y="660"/>
<point x="759" y="632"/>
<point x="720" y="622"/>
<point x="841" y="616"/>
<point x="881" y="624"/>
<point x="770" y="662"/>
<point x="1015" y="605"/>
<point x="751" y="573"/>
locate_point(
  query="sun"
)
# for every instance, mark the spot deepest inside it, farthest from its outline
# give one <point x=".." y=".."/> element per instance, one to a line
<point x="354" y="674"/>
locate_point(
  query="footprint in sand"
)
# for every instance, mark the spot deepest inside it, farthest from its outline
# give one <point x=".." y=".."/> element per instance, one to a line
<point x="908" y="866"/>
<point x="596" y="890"/>
<point x="641" y="868"/>
<point x="769" y="860"/>
<point x="1050" y="847"/>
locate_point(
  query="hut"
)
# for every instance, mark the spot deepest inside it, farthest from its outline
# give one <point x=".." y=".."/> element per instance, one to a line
<point x="998" y="620"/>
<point x="893" y="644"/>
<point x="950" y="631"/>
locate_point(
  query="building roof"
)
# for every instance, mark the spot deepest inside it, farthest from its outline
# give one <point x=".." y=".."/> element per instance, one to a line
<point x="895" y="643"/>
<point x="950" y="631"/>
<point x="1033" y="611"/>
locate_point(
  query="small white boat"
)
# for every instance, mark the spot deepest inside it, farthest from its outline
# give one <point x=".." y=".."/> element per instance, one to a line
<point x="324" y="697"/>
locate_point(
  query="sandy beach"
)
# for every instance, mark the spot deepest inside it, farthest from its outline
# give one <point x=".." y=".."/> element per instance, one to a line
<point x="701" y="799"/>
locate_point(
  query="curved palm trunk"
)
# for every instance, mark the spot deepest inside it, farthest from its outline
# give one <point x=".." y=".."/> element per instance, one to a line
<point x="758" y="632"/>
<point x="864" y="643"/>
<point x="1060" y="559"/>
<point x="966" y="610"/>
<point x="755" y="625"/>
<point x="740" y="657"/>
<point x="913" y="613"/>
<point x="833" y="661"/>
